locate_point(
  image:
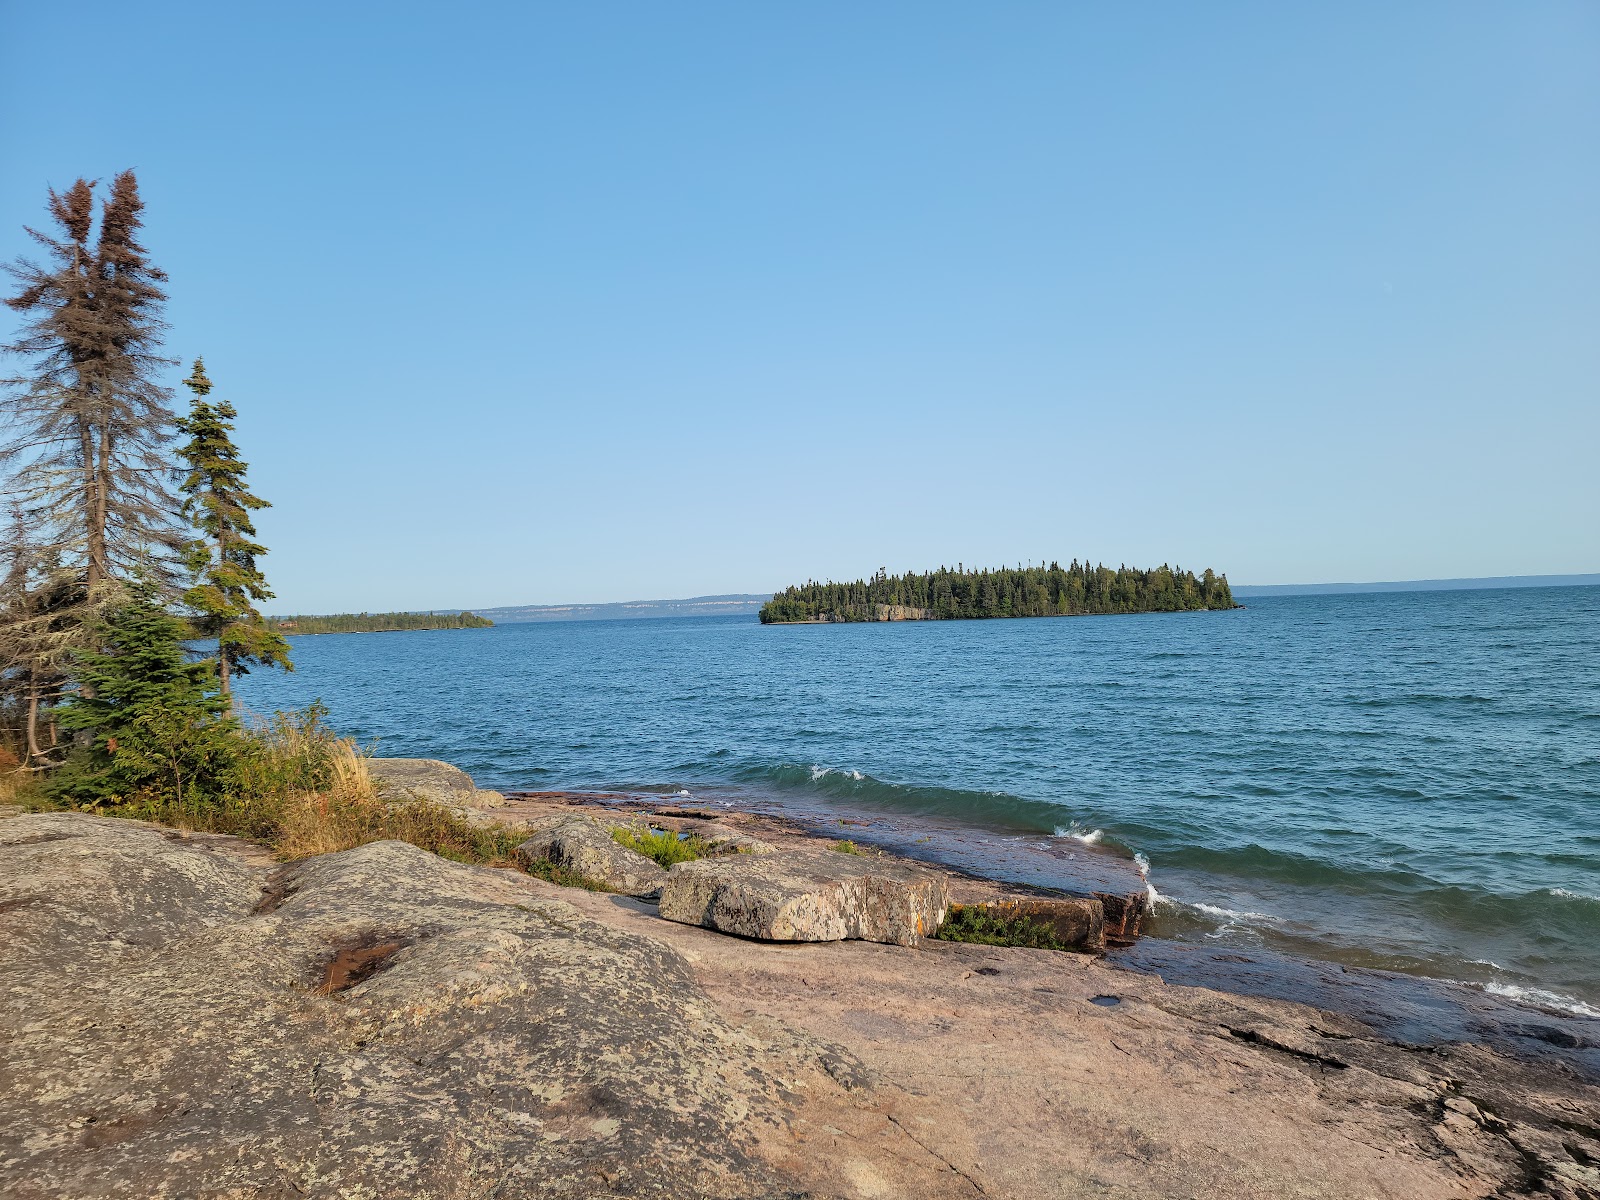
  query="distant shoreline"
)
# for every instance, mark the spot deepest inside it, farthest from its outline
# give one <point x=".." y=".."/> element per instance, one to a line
<point x="1465" y="584"/>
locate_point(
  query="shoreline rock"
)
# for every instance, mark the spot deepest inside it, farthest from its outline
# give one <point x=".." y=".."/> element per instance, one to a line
<point x="184" y="1017"/>
<point x="433" y="780"/>
<point x="807" y="896"/>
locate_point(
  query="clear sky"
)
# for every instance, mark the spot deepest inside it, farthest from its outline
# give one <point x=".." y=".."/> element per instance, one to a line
<point x="528" y="303"/>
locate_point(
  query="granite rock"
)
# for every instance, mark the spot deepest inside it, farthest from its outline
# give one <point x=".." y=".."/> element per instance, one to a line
<point x="585" y="847"/>
<point x="806" y="896"/>
<point x="181" y="1021"/>
<point x="432" y="780"/>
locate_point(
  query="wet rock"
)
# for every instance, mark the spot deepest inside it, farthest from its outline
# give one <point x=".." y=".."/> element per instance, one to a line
<point x="392" y="1025"/>
<point x="433" y="780"/>
<point x="585" y="847"/>
<point x="806" y="896"/>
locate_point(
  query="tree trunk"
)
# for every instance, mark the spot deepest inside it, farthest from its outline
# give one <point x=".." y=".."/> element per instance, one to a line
<point x="33" y="721"/>
<point x="95" y="530"/>
<point x="101" y="514"/>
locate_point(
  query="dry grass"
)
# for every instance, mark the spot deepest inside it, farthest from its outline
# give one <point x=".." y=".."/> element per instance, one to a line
<point x="303" y="790"/>
<point x="21" y="788"/>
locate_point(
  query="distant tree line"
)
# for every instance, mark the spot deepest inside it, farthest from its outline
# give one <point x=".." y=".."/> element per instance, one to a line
<point x="1053" y="591"/>
<point x="379" y="622"/>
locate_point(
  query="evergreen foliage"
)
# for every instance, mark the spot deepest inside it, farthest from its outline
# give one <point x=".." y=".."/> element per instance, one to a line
<point x="1050" y="591"/>
<point x="380" y="622"/>
<point x="226" y="582"/>
<point x="159" y="728"/>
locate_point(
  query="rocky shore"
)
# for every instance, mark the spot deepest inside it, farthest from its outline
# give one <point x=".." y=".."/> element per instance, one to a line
<point x="184" y="1016"/>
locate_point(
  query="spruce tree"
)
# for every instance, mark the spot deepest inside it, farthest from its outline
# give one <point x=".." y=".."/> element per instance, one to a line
<point x="226" y="579"/>
<point x="159" y="731"/>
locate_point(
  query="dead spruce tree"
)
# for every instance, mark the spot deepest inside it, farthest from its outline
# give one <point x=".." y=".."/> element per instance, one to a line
<point x="227" y="581"/>
<point x="87" y="422"/>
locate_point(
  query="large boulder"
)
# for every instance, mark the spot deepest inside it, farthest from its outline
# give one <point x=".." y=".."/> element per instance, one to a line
<point x="179" y="1021"/>
<point x="585" y="847"/>
<point x="432" y="780"/>
<point x="807" y="896"/>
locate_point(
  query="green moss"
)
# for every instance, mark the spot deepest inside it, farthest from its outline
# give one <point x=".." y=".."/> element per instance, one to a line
<point x="974" y="923"/>
<point x="661" y="845"/>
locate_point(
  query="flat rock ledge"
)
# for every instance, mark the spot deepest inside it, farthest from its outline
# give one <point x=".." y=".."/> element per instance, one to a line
<point x="585" y="847"/>
<point x="432" y="780"/>
<point x="178" y="1021"/>
<point x="807" y="896"/>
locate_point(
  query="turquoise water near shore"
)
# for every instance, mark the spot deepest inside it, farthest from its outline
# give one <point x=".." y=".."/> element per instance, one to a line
<point x="1408" y="781"/>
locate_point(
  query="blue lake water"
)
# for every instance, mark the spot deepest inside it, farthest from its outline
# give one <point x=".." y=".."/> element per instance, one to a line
<point x="1408" y="781"/>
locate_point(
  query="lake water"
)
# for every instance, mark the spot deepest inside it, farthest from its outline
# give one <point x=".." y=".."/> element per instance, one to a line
<point x="1408" y="781"/>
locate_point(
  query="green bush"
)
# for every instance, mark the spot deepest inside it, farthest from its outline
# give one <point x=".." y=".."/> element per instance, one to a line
<point x="662" y="845"/>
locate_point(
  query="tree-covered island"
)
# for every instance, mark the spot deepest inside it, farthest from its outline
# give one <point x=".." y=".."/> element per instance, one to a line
<point x="391" y="622"/>
<point x="1053" y="591"/>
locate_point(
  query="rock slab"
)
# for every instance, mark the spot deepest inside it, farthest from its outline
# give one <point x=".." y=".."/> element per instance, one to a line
<point x="585" y="847"/>
<point x="178" y="1021"/>
<point x="807" y="896"/>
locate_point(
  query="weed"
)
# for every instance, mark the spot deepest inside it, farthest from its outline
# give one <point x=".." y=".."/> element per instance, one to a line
<point x="848" y="847"/>
<point x="661" y="845"/>
<point x="975" y="923"/>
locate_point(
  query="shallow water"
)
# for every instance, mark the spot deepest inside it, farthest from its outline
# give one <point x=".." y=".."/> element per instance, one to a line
<point x="1407" y="781"/>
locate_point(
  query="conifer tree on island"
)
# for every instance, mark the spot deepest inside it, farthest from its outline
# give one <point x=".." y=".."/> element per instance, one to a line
<point x="226" y="578"/>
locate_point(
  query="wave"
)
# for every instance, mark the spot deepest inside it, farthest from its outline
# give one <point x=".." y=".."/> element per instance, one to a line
<point x="1077" y="833"/>
<point x="985" y="809"/>
<point x="1539" y="998"/>
<point x="1233" y="916"/>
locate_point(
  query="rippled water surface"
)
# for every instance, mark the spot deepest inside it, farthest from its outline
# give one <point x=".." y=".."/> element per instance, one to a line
<point x="1399" y="780"/>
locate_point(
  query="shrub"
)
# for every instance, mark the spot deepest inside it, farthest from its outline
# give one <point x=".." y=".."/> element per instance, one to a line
<point x="975" y="923"/>
<point x="662" y="845"/>
<point x="847" y="847"/>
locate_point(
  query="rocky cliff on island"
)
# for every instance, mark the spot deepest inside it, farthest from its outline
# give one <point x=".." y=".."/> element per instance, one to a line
<point x="185" y="1016"/>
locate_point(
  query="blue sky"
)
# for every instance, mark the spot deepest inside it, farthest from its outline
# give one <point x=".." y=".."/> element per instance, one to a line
<point x="532" y="303"/>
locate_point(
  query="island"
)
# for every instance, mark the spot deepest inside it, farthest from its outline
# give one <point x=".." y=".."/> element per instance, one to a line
<point x="1053" y="591"/>
<point x="378" y="622"/>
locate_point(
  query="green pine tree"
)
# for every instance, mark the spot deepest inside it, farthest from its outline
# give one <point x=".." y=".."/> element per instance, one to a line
<point x="160" y="731"/>
<point x="227" y="581"/>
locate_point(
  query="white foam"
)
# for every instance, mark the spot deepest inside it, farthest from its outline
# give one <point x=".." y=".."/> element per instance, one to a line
<point x="1568" y="895"/>
<point x="821" y="772"/>
<point x="1091" y="838"/>
<point x="1143" y="863"/>
<point x="1540" y="998"/>
<point x="1233" y="915"/>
